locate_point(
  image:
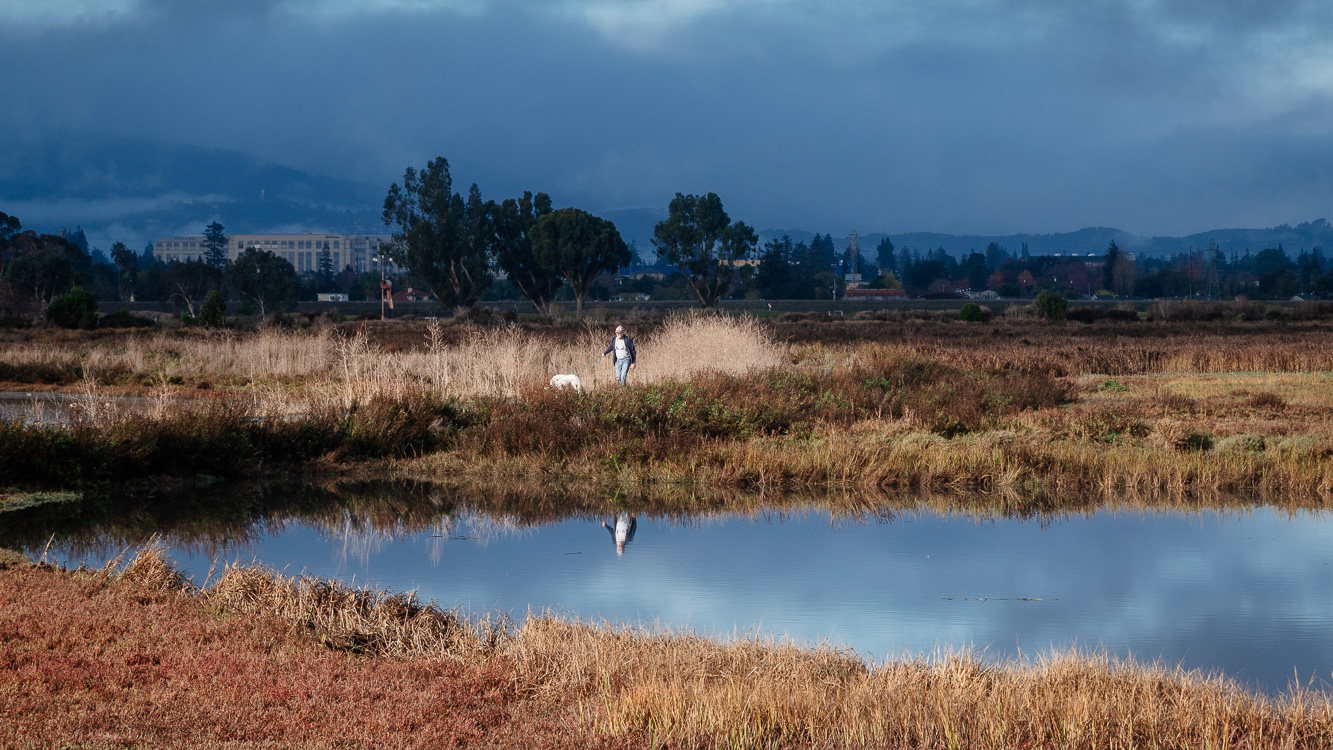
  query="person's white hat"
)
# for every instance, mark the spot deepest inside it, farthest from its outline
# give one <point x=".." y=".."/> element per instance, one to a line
<point x="620" y="329"/>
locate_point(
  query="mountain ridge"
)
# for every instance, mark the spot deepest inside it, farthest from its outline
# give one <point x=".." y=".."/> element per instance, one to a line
<point x="134" y="189"/>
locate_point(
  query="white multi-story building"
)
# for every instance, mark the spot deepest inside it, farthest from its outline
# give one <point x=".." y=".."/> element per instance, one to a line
<point x="359" y="251"/>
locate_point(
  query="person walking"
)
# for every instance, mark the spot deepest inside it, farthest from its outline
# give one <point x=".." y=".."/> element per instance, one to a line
<point x="622" y="347"/>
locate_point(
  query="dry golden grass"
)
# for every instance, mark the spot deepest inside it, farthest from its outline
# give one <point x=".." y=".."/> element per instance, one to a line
<point x="356" y="619"/>
<point x="1078" y="350"/>
<point x="1109" y="446"/>
<point x="689" y="691"/>
<point x="1164" y="434"/>
<point x="474" y="361"/>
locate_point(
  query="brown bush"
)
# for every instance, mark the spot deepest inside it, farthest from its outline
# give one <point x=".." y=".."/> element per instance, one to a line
<point x="1175" y="402"/>
<point x="1266" y="400"/>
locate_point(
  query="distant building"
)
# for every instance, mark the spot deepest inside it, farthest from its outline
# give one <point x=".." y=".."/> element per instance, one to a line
<point x="411" y="295"/>
<point x="301" y="250"/>
<point x="656" y="273"/>
<point x="873" y="295"/>
<point x="332" y="297"/>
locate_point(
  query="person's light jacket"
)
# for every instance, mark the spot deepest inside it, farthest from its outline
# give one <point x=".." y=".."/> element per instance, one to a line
<point x="629" y="347"/>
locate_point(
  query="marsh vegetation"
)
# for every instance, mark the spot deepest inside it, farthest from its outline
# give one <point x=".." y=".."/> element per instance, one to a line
<point x="915" y="402"/>
<point x="393" y="661"/>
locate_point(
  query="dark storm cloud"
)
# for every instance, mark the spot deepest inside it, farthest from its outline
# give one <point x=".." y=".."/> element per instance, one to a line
<point x="1027" y="115"/>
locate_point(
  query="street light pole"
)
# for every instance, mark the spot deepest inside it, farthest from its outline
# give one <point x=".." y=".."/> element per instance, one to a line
<point x="379" y="261"/>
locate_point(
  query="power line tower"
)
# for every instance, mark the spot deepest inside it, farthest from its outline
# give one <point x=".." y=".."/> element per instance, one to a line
<point x="852" y="279"/>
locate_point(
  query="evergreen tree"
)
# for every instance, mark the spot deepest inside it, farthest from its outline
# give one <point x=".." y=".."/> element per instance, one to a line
<point x="885" y="257"/>
<point x="215" y="246"/>
<point x="1108" y="267"/>
<point x="213" y="312"/>
<point x="976" y="271"/>
<point x="777" y="273"/>
<point x="79" y="239"/>
<point x="325" y="264"/>
<point x="442" y="239"/>
<point x="513" y="222"/>
<point x="127" y="263"/>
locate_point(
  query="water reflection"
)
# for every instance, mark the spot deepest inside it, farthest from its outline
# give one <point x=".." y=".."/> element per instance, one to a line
<point x="1245" y="591"/>
<point x="622" y="531"/>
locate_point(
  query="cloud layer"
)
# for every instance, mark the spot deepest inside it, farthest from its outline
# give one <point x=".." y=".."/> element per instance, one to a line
<point x="1165" y="116"/>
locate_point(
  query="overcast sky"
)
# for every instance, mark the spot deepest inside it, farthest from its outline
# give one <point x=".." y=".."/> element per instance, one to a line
<point x="965" y="116"/>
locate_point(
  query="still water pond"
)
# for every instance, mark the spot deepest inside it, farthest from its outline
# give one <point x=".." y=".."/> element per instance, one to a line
<point x="1247" y="593"/>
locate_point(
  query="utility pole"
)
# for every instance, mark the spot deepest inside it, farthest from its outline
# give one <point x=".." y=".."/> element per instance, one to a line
<point x="379" y="261"/>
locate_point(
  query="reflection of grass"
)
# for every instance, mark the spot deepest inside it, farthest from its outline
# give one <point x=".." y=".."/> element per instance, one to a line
<point x="20" y="500"/>
<point x="145" y="633"/>
<point x="364" y="514"/>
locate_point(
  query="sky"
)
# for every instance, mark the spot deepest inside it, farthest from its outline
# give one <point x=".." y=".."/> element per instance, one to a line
<point x="1160" y="117"/>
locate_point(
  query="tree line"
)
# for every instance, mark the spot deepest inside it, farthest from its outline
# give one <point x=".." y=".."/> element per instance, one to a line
<point x="1200" y="272"/>
<point x="458" y="246"/>
<point x="451" y="242"/>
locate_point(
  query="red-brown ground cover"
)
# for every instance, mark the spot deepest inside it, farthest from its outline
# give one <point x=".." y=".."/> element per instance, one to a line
<point x="91" y="662"/>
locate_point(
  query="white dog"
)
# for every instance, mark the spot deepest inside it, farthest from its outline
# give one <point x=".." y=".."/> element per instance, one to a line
<point x="561" y="382"/>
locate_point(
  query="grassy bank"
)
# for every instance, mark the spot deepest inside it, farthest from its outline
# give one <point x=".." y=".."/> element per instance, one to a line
<point x="720" y="403"/>
<point x="257" y="658"/>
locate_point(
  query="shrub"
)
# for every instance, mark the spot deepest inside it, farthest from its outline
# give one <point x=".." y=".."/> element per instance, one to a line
<point x="1093" y="314"/>
<point x="1177" y="402"/>
<point x="1111" y="384"/>
<point x="76" y="308"/>
<point x="949" y="400"/>
<point x="1242" y="444"/>
<point x="1107" y="426"/>
<point x="1181" y="437"/>
<point x="1312" y="310"/>
<point x="122" y="318"/>
<point x="1084" y="314"/>
<point x="1184" y="309"/>
<point x="1266" y="400"/>
<point x="213" y="313"/>
<point x="973" y="313"/>
<point x="1051" y="305"/>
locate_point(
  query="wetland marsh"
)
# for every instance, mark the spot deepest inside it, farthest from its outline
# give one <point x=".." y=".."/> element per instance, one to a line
<point x="1031" y="504"/>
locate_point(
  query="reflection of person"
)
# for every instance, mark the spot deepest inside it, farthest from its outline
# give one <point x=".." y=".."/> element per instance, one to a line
<point x="623" y="347"/>
<point x="623" y="531"/>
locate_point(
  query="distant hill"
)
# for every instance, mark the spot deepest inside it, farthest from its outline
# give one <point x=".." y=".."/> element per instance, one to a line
<point x="133" y="190"/>
<point x="636" y="226"/>
<point x="1308" y="235"/>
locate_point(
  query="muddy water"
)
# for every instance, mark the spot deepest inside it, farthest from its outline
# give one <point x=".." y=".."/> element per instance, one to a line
<point x="55" y="408"/>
